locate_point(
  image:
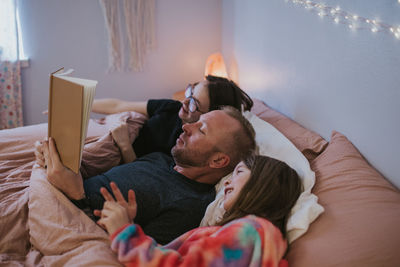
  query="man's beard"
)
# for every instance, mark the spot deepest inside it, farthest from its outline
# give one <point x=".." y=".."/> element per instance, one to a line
<point x="191" y="158"/>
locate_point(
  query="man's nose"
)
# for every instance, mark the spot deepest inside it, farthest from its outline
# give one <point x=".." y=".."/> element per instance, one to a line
<point x="186" y="128"/>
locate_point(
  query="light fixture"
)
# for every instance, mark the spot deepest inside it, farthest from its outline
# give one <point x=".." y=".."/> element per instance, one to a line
<point x="353" y="21"/>
<point x="215" y="66"/>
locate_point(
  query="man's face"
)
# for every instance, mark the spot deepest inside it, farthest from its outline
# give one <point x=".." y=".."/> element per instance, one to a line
<point x="199" y="140"/>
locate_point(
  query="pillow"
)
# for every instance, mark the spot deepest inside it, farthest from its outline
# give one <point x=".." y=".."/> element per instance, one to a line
<point x="308" y="142"/>
<point x="272" y="143"/>
<point x="360" y="225"/>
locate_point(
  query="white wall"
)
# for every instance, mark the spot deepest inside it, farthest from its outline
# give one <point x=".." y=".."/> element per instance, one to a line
<point x="71" y="34"/>
<point x="323" y="75"/>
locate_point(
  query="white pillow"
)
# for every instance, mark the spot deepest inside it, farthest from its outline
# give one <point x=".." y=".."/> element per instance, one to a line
<point x="272" y="143"/>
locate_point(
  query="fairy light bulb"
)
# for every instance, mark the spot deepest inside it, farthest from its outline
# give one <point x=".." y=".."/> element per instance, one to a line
<point x="352" y="21"/>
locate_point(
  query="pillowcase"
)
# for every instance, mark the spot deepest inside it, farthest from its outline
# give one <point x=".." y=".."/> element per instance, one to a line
<point x="360" y="225"/>
<point x="308" y="142"/>
<point x="272" y="143"/>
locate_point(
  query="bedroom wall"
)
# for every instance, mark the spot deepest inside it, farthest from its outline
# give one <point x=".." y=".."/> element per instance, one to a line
<point x="72" y="34"/>
<point x="323" y="75"/>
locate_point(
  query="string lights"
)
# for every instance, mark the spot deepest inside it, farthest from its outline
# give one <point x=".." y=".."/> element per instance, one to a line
<point x="352" y="21"/>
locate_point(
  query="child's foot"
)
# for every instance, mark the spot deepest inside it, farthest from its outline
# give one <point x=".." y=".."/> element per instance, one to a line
<point x="120" y="135"/>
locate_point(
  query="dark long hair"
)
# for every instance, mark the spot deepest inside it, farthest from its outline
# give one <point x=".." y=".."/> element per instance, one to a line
<point x="271" y="192"/>
<point x="224" y="92"/>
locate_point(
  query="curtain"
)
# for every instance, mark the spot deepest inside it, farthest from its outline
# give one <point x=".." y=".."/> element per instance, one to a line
<point x="10" y="68"/>
<point x="139" y="33"/>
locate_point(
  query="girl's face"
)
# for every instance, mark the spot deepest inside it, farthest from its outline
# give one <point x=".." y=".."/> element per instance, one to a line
<point x="198" y="95"/>
<point x="234" y="185"/>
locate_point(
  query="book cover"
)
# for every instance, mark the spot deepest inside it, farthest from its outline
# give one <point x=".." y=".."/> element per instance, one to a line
<point x="70" y="101"/>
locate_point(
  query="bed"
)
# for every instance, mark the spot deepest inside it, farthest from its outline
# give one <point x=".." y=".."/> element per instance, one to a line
<point x="356" y="227"/>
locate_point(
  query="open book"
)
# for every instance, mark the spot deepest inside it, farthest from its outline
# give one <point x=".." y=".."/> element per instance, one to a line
<point x="70" y="103"/>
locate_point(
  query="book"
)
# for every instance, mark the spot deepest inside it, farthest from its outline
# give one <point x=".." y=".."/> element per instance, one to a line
<point x="70" y="102"/>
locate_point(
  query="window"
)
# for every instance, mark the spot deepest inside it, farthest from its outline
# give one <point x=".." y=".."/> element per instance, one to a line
<point x="11" y="48"/>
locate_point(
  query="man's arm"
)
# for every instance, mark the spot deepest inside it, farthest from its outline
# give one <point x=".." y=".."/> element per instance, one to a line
<point x="112" y="105"/>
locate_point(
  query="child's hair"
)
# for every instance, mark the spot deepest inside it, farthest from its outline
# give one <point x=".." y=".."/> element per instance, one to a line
<point x="224" y="92"/>
<point x="271" y="191"/>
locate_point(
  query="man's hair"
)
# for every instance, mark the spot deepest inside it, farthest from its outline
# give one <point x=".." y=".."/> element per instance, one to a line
<point x="224" y="92"/>
<point x="240" y="143"/>
<point x="271" y="192"/>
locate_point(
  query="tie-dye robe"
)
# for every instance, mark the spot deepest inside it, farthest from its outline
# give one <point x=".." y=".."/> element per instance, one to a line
<point x="249" y="241"/>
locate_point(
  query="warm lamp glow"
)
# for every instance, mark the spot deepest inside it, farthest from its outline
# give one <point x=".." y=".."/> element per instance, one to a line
<point x="215" y="66"/>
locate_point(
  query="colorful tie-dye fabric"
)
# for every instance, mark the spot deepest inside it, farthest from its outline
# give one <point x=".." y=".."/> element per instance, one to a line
<point x="249" y="241"/>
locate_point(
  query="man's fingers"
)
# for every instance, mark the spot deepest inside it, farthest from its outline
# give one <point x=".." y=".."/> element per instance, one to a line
<point x="39" y="155"/>
<point x="47" y="157"/>
<point x="107" y="196"/>
<point x="117" y="193"/>
<point x="55" y="158"/>
<point x="41" y="162"/>
<point x="38" y="146"/>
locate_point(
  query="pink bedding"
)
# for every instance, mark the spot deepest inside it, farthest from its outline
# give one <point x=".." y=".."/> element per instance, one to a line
<point x="54" y="232"/>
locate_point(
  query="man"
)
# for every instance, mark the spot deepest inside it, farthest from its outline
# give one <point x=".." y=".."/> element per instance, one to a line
<point x="171" y="193"/>
<point x="166" y="116"/>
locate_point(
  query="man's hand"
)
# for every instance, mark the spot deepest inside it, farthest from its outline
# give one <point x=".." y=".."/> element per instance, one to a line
<point x="39" y="154"/>
<point x="68" y="182"/>
<point x="130" y="206"/>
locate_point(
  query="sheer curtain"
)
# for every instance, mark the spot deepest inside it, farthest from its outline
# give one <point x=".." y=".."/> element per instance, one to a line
<point x="10" y="69"/>
<point x="138" y="17"/>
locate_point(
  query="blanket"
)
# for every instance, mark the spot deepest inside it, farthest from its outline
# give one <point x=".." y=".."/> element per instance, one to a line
<point x="33" y="238"/>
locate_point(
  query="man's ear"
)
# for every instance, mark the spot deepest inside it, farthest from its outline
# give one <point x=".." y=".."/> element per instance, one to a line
<point x="219" y="160"/>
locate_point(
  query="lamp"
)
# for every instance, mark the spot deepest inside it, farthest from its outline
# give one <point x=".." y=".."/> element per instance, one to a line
<point x="215" y="66"/>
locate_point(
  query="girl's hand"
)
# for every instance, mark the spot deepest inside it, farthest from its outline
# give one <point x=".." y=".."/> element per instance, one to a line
<point x="130" y="206"/>
<point x="113" y="216"/>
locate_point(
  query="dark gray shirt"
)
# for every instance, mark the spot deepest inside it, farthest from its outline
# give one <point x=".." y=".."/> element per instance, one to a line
<point x="169" y="204"/>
